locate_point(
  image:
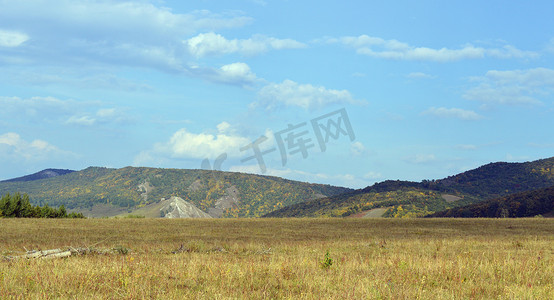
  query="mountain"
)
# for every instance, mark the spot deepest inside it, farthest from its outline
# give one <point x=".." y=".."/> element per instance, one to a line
<point x="106" y="192"/>
<point x="499" y="179"/>
<point x="524" y="204"/>
<point x="48" y="173"/>
<point x="408" y="199"/>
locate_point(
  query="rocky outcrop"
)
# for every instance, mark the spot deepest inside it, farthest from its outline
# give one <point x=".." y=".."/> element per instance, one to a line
<point x="176" y="207"/>
<point x="230" y="200"/>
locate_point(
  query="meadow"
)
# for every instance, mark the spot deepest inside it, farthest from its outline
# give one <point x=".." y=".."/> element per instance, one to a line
<point x="280" y="258"/>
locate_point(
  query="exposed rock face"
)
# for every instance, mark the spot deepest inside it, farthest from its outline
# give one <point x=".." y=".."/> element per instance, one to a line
<point x="230" y="199"/>
<point x="176" y="207"/>
<point x="195" y="186"/>
<point x="144" y="189"/>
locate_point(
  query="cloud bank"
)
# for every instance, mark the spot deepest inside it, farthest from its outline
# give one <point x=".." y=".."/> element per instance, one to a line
<point x="397" y="50"/>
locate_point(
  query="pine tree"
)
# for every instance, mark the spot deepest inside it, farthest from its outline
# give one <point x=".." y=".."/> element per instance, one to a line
<point x="15" y="205"/>
<point x="26" y="207"/>
<point x="5" y="205"/>
<point x="62" y="213"/>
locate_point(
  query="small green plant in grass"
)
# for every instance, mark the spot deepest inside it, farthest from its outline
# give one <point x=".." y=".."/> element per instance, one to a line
<point x="327" y="261"/>
<point x="121" y="250"/>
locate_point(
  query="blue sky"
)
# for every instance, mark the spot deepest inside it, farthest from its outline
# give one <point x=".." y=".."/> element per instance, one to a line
<point x="429" y="88"/>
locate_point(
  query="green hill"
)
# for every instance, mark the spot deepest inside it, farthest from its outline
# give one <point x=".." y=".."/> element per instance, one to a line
<point x="519" y="205"/>
<point x="409" y="199"/>
<point x="103" y="191"/>
<point x="48" y="173"/>
<point x="498" y="179"/>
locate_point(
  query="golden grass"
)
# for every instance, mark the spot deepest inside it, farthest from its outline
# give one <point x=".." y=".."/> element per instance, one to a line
<point x="281" y="258"/>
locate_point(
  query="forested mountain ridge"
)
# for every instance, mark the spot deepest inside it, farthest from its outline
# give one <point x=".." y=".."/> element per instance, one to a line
<point x="498" y="179"/>
<point x="222" y="194"/>
<point x="519" y="205"/>
<point x="48" y="173"/>
<point x="407" y="198"/>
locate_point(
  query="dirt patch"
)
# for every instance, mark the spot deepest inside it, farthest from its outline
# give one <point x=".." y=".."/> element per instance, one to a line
<point x="318" y="196"/>
<point x="372" y="213"/>
<point x="450" y="198"/>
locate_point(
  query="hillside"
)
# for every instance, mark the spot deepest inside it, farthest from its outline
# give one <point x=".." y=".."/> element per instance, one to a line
<point x="408" y="199"/>
<point x="499" y="179"/>
<point x="103" y="192"/>
<point x="524" y="204"/>
<point x="48" y="173"/>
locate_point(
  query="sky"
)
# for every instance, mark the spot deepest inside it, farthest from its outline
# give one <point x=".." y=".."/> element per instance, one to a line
<point x="346" y="93"/>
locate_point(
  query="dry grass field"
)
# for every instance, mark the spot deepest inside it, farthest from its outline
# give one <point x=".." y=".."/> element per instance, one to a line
<point x="281" y="258"/>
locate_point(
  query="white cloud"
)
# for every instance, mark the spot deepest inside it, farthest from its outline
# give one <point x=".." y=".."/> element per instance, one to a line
<point x="12" y="38"/>
<point x="509" y="51"/>
<point x="102" y="116"/>
<point x="185" y="144"/>
<point x="137" y="34"/>
<point x="236" y="74"/>
<point x="309" y="97"/>
<point x="106" y="112"/>
<point x="223" y="127"/>
<point x="456" y="113"/>
<point x="358" y="149"/>
<point x="129" y="20"/>
<point x="82" y="120"/>
<point x="12" y="146"/>
<point x="207" y="44"/>
<point x="516" y="87"/>
<point x="393" y="49"/>
<point x="37" y="106"/>
<point x="90" y="35"/>
<point x="50" y="109"/>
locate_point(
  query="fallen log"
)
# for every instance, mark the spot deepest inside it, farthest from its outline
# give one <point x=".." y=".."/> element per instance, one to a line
<point x="59" y="253"/>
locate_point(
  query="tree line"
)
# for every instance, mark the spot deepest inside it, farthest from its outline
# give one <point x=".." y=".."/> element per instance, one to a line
<point x="19" y="206"/>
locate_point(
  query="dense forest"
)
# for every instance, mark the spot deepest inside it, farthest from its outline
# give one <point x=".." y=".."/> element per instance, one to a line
<point x="19" y="206"/>
<point x="416" y="199"/>
<point x="525" y="204"/>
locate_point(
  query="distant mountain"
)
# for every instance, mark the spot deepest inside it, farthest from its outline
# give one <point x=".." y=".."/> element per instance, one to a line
<point x="499" y="179"/>
<point x="105" y="192"/>
<point x="406" y="198"/>
<point x="524" y="204"/>
<point x="48" y="173"/>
